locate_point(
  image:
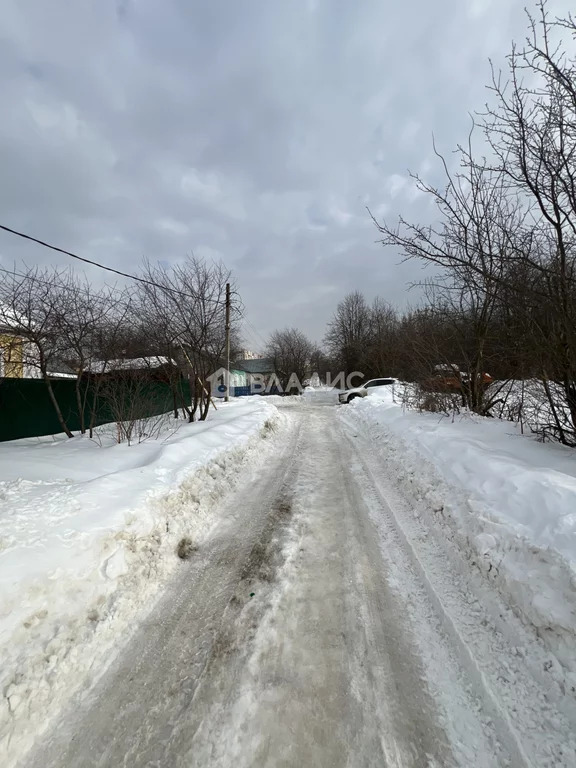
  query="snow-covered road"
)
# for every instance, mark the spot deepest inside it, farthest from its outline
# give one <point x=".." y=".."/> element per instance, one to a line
<point x="321" y="624"/>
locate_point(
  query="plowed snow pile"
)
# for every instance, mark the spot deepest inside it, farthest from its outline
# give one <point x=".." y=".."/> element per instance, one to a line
<point x="88" y="535"/>
<point x="506" y="501"/>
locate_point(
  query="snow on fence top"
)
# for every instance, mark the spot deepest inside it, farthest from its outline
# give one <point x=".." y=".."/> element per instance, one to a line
<point x="129" y="364"/>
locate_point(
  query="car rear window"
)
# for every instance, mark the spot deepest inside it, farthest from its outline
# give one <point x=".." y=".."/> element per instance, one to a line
<point x="379" y="382"/>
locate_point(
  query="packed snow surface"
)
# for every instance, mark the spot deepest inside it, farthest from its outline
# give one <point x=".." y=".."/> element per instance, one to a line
<point x="324" y="621"/>
<point x="506" y="500"/>
<point x="88" y="534"/>
<point x="399" y="586"/>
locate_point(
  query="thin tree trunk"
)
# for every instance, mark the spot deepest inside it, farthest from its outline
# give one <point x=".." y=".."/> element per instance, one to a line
<point x="561" y="435"/>
<point x="194" y="391"/>
<point x="95" y="386"/>
<point x="206" y="407"/>
<point x="56" y="405"/>
<point x="80" y="406"/>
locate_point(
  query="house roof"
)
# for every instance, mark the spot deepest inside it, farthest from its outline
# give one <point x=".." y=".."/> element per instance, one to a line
<point x="60" y="368"/>
<point x="259" y="365"/>
<point x="129" y="364"/>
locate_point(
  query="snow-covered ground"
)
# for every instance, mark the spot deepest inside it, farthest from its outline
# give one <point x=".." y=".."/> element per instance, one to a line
<point x="526" y="402"/>
<point x="325" y="621"/>
<point x="400" y="586"/>
<point x="88" y="534"/>
<point x="506" y="501"/>
<point x="321" y="395"/>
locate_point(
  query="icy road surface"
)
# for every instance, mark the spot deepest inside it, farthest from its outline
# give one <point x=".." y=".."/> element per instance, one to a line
<point x="320" y="625"/>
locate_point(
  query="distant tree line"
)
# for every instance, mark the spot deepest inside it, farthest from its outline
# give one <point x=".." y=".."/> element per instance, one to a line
<point x="504" y="298"/>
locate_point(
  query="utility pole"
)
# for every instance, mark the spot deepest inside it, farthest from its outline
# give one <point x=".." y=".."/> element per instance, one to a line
<point x="227" y="396"/>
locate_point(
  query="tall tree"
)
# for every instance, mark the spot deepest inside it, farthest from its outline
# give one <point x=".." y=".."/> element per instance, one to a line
<point x="292" y="353"/>
<point x="348" y="333"/>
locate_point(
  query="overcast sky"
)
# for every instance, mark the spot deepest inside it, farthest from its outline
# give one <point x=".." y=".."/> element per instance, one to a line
<point x="252" y="131"/>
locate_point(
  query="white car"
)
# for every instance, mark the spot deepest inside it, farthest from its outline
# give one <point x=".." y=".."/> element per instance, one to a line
<point x="347" y="395"/>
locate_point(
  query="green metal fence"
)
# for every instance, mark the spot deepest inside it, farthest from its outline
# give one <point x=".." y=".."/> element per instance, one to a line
<point x="26" y="409"/>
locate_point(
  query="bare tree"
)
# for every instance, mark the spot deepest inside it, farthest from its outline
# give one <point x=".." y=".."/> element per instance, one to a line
<point x="348" y="333"/>
<point x="477" y="242"/>
<point x="320" y="363"/>
<point x="186" y="308"/>
<point x="292" y="353"/>
<point x="130" y="397"/>
<point x="31" y="302"/>
<point x="85" y="317"/>
<point x="506" y="241"/>
<point x="532" y="133"/>
<point x="382" y="352"/>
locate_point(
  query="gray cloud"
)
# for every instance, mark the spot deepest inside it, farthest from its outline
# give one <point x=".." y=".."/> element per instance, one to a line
<point x="256" y="132"/>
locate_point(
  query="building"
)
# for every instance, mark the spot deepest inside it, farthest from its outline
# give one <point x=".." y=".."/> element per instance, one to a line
<point x="258" y="372"/>
<point x="18" y="357"/>
<point x="11" y="355"/>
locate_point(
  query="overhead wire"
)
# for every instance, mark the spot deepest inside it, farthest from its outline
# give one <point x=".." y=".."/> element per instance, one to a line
<point x="36" y="279"/>
<point x="255" y="333"/>
<point x="236" y="310"/>
<point x="100" y="266"/>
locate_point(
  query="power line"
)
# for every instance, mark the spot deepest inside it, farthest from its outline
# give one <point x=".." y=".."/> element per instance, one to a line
<point x="125" y="303"/>
<point x="247" y="337"/>
<point x="100" y="266"/>
<point x="250" y="342"/>
<point x="64" y="287"/>
<point x="256" y="334"/>
<point x="259" y="338"/>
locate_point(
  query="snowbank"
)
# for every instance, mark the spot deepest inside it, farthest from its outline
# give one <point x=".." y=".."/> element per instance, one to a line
<point x="507" y="502"/>
<point x="88" y="534"/>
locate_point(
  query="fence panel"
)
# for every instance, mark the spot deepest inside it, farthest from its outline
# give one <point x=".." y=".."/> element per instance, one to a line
<point x="26" y="409"/>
